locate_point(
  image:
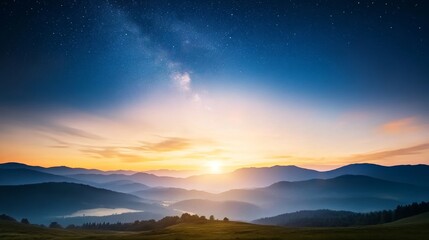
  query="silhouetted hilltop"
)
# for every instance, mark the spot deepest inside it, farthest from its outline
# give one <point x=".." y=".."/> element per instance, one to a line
<point x="27" y="176"/>
<point x="413" y="174"/>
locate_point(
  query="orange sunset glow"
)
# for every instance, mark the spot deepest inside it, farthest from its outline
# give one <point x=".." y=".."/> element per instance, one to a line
<point x="214" y="119"/>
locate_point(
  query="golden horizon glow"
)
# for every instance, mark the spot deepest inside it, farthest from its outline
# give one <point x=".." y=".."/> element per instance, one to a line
<point x="215" y="167"/>
<point x="179" y="133"/>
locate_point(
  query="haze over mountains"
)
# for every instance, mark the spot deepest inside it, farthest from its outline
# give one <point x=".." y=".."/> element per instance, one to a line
<point x="50" y="200"/>
<point x="348" y="192"/>
<point x="245" y="194"/>
<point x="241" y="178"/>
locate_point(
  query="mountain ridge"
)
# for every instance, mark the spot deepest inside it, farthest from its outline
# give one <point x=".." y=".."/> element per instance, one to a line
<point x="255" y="177"/>
<point x="47" y="200"/>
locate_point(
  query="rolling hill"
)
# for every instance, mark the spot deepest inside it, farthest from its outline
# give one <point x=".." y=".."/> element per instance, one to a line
<point x="143" y="178"/>
<point x="349" y="192"/>
<point x="43" y="201"/>
<point x="61" y="170"/>
<point x="346" y="192"/>
<point x="27" y="176"/>
<point x="261" y="177"/>
<point x="329" y="218"/>
<point x="20" y="176"/>
<point x="311" y="218"/>
<point x="412" y="174"/>
<point x="422" y="219"/>
<point x="240" y="178"/>
<point x="124" y="186"/>
<point x="407" y="229"/>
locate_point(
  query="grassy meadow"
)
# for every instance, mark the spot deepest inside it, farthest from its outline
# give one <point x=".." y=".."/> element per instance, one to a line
<point x="416" y="227"/>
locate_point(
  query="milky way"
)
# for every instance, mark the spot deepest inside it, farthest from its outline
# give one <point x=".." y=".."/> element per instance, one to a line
<point x="299" y="76"/>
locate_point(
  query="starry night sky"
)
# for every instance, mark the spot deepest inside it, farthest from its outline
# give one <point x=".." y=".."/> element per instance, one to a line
<point x="91" y="53"/>
<point x="333" y="56"/>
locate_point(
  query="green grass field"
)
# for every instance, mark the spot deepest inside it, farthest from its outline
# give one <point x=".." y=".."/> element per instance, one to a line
<point x="416" y="227"/>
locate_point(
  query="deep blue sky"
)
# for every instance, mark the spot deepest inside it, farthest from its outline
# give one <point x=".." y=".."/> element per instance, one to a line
<point x="91" y="54"/>
<point x="191" y="84"/>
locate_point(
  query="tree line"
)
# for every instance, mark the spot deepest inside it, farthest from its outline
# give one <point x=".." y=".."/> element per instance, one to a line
<point x="145" y="225"/>
<point x="329" y="218"/>
<point x="322" y="218"/>
<point x="386" y="216"/>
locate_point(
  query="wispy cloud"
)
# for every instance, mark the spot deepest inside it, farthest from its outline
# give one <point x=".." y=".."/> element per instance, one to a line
<point x="43" y="123"/>
<point x="215" y="153"/>
<point x="58" y="146"/>
<point x="71" y="131"/>
<point x="403" y="125"/>
<point x="294" y="159"/>
<point x="57" y="141"/>
<point x="170" y="144"/>
<point x="113" y="152"/>
<point x="354" y="158"/>
<point x="144" y="152"/>
<point x="368" y="157"/>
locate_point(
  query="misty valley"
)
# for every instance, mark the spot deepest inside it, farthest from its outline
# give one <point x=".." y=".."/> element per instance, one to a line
<point x="72" y="196"/>
<point x="214" y="119"/>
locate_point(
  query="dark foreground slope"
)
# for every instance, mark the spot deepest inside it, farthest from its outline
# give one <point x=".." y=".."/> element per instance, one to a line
<point x="411" y="228"/>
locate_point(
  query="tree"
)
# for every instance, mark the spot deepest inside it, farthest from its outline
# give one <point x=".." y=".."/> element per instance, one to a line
<point x="185" y="217"/>
<point x="225" y="219"/>
<point x="55" y="225"/>
<point x="212" y="218"/>
<point x="25" y="221"/>
<point x="71" y="226"/>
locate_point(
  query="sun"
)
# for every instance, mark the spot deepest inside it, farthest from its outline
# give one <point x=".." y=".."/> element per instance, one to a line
<point x="215" y="166"/>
